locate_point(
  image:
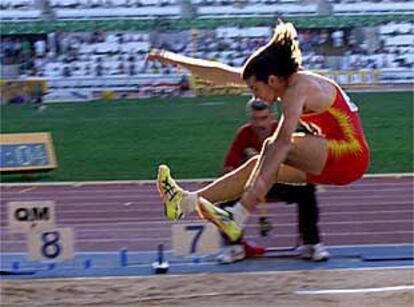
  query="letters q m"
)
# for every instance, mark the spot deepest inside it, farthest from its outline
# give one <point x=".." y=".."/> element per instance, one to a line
<point x="32" y="214"/>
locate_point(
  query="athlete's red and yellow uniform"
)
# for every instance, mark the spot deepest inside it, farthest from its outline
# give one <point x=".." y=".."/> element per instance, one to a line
<point x="348" y="151"/>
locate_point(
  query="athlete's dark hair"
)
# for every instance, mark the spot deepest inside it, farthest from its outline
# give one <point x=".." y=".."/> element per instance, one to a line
<point x="280" y="57"/>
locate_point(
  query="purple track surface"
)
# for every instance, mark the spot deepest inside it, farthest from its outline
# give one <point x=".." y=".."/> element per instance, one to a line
<point x="113" y="216"/>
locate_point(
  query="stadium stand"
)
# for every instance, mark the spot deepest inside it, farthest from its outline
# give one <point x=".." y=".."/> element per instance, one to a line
<point x="104" y="54"/>
<point x="146" y="9"/>
<point x="71" y="55"/>
<point x="115" y="59"/>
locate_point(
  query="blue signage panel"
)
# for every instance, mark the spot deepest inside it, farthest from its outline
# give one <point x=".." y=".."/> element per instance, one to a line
<point x="23" y="155"/>
<point x="26" y="152"/>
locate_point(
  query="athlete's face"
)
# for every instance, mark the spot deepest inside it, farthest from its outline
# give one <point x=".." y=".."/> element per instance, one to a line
<point x="268" y="92"/>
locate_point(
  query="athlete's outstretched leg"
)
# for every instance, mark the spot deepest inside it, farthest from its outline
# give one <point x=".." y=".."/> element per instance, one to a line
<point x="178" y="202"/>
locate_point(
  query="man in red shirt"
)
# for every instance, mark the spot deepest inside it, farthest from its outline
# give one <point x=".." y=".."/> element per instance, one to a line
<point x="248" y="143"/>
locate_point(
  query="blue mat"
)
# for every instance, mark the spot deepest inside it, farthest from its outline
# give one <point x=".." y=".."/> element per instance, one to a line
<point x="16" y="266"/>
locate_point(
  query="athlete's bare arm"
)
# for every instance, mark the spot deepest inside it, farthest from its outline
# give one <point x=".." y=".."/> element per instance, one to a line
<point x="279" y="145"/>
<point x="216" y="72"/>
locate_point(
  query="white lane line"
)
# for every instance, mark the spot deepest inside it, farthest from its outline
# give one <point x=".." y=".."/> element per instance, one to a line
<point x="94" y="222"/>
<point x="148" y="226"/>
<point x="143" y="182"/>
<point x="209" y="104"/>
<point x="148" y="206"/>
<point x="117" y="277"/>
<point x="158" y="210"/>
<point x="135" y="253"/>
<point x="152" y="226"/>
<point x="279" y="236"/>
<point x="85" y="230"/>
<point x="151" y="193"/>
<point x="135" y="219"/>
<point x="280" y="215"/>
<point x="389" y="187"/>
<point x="358" y="290"/>
<point x="27" y="190"/>
<point x="341" y="200"/>
<point x="346" y="234"/>
<point x="387" y="175"/>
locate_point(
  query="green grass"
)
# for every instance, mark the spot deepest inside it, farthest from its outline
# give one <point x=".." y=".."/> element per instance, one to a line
<point x="388" y="123"/>
<point x="126" y="140"/>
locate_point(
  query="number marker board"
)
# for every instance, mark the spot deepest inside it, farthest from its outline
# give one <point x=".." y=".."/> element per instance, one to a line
<point x="51" y="245"/>
<point x="198" y="238"/>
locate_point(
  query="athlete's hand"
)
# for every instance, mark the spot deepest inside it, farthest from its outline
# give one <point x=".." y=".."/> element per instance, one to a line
<point x="153" y="55"/>
<point x="159" y="55"/>
<point x="250" y="152"/>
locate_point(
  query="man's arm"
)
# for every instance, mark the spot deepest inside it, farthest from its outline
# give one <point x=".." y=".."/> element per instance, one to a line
<point x="275" y="152"/>
<point x="216" y="72"/>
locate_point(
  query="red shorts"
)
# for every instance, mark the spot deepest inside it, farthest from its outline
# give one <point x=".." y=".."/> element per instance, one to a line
<point x="342" y="170"/>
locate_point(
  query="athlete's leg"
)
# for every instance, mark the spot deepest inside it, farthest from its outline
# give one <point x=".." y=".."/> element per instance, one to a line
<point x="288" y="174"/>
<point x="229" y="186"/>
<point x="308" y="155"/>
<point x="178" y="201"/>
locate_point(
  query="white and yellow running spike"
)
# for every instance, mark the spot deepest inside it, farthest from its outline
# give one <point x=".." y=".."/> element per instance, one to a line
<point x="170" y="193"/>
<point x="221" y="218"/>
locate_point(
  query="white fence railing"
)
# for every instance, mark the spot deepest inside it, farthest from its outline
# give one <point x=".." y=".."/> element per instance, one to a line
<point x="151" y="85"/>
<point x="361" y="77"/>
<point x="174" y="11"/>
<point x="113" y="82"/>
